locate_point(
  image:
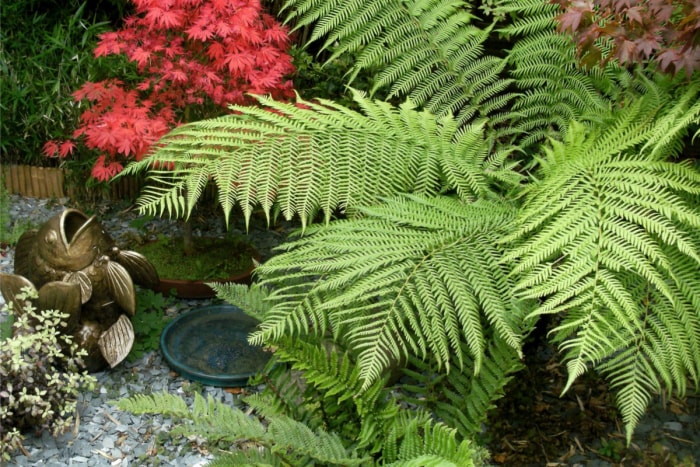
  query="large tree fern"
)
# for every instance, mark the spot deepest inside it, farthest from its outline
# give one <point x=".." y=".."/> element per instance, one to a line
<point x="446" y="256"/>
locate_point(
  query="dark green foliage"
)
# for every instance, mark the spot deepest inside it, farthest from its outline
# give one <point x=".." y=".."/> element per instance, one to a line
<point x="316" y="80"/>
<point x="316" y="381"/>
<point x="148" y="321"/>
<point x="281" y="440"/>
<point x="40" y="377"/>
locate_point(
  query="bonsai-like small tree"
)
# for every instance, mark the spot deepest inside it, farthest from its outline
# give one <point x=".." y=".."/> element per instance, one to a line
<point x="195" y="57"/>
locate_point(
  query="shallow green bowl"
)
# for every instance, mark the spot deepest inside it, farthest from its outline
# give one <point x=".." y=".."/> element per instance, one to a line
<point x="209" y="345"/>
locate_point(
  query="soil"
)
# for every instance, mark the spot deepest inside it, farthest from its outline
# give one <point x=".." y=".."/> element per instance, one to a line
<point x="533" y="426"/>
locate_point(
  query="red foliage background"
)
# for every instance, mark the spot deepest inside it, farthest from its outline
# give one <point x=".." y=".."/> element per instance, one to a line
<point x="665" y="31"/>
<point x="195" y="58"/>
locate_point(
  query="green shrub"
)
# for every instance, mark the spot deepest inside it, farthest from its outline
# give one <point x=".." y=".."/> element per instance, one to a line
<point x="40" y="376"/>
<point x="148" y="321"/>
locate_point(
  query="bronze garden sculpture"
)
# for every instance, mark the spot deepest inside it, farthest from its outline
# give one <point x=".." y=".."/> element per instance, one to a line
<point x="78" y="270"/>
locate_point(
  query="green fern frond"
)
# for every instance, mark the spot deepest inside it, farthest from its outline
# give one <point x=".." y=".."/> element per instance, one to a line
<point x="417" y="275"/>
<point x="461" y="399"/>
<point x="433" y="444"/>
<point x="326" y="391"/>
<point x="164" y="403"/>
<point x="526" y="17"/>
<point x="326" y="448"/>
<point x="425" y="50"/>
<point x="607" y="240"/>
<point x="303" y="160"/>
<point x="209" y="418"/>
<point x="216" y="421"/>
<point x="674" y="125"/>
<point x="554" y="90"/>
<point x="369" y="419"/>
<point x="283" y="394"/>
<point x="248" y="458"/>
<point x="252" y="299"/>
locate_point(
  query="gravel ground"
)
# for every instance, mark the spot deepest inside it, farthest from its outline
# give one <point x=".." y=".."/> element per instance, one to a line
<point x="104" y="435"/>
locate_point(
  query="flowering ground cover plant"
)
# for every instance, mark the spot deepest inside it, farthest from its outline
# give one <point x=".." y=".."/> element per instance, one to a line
<point x="194" y="58"/>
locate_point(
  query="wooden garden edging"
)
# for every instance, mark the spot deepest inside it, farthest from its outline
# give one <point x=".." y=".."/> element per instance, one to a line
<point x="50" y="182"/>
<point x="35" y="182"/>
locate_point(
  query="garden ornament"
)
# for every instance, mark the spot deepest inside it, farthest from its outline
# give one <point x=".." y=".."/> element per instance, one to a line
<point x="77" y="269"/>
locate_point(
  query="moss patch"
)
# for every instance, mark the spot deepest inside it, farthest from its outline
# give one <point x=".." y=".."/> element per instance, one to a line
<point x="214" y="258"/>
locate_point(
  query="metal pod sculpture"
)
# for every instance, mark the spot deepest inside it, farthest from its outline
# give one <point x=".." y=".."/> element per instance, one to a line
<point x="77" y="269"/>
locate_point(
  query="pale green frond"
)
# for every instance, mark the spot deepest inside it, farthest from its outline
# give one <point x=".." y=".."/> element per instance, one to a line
<point x="633" y="379"/>
<point x="253" y="299"/>
<point x="288" y="158"/>
<point x="293" y="313"/>
<point x="674" y="125"/>
<point x="410" y="282"/>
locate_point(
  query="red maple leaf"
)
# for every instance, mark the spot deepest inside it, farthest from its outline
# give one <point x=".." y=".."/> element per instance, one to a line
<point x="104" y="169"/>
<point x="239" y="62"/>
<point x="200" y="32"/>
<point x="140" y="56"/>
<point x="647" y="44"/>
<point x="50" y="148"/>
<point x="223" y="29"/>
<point x="665" y="31"/>
<point x="66" y="148"/>
<point x="163" y="18"/>
<point x="571" y="20"/>
<point x="109" y="44"/>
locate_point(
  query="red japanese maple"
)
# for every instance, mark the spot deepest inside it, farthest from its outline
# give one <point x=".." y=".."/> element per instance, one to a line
<point x="667" y="31"/>
<point x="195" y="58"/>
